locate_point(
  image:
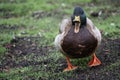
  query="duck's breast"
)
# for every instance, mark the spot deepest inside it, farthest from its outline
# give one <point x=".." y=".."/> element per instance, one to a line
<point x="78" y="45"/>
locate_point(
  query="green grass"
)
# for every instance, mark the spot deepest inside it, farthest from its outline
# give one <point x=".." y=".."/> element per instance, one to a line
<point x="109" y="26"/>
<point x="47" y="27"/>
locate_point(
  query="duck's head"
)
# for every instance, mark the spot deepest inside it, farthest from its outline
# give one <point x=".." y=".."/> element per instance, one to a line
<point x="78" y="18"/>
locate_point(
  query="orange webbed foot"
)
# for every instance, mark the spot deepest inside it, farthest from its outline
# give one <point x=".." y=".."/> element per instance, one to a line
<point x="94" y="62"/>
<point x="70" y="66"/>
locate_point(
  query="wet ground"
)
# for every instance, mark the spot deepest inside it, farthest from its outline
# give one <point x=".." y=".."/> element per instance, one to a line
<point x="21" y="48"/>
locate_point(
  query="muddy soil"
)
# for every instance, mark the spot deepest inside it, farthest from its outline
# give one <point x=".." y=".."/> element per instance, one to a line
<point x="108" y="53"/>
<point x="20" y="47"/>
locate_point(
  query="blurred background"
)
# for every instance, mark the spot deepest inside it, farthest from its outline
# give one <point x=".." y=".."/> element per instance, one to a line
<point x="28" y="29"/>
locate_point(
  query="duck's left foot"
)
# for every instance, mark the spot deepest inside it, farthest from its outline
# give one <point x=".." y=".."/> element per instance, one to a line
<point x="70" y="66"/>
<point x="94" y="62"/>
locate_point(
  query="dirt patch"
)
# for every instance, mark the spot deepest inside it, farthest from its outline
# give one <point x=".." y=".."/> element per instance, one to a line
<point x="41" y="14"/>
<point x="20" y="49"/>
<point x="12" y="1"/>
<point x="6" y="28"/>
<point x="25" y="48"/>
<point x="104" y="13"/>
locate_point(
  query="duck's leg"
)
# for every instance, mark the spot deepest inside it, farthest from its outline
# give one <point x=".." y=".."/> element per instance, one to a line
<point x="94" y="62"/>
<point x="70" y="66"/>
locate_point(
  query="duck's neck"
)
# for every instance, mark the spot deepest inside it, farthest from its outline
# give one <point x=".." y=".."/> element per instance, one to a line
<point x="83" y="20"/>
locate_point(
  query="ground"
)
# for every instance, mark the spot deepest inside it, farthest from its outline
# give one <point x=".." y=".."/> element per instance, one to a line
<point x="22" y="50"/>
<point x="27" y="34"/>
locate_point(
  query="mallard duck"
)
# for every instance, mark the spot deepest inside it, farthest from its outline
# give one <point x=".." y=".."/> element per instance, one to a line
<point x="78" y="38"/>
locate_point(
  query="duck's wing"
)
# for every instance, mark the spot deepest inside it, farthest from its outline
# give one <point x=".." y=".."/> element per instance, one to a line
<point x="94" y="30"/>
<point x="63" y="29"/>
<point x="65" y="25"/>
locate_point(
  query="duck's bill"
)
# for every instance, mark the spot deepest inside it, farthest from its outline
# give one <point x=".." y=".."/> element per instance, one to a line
<point x="77" y="19"/>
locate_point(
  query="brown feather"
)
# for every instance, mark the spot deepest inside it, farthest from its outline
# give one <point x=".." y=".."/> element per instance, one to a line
<point x="78" y="45"/>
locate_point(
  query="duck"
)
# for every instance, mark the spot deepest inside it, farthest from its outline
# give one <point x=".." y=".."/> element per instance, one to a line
<point x="78" y="38"/>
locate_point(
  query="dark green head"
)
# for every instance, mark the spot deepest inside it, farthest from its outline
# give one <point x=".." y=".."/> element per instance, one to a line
<point x="78" y="16"/>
